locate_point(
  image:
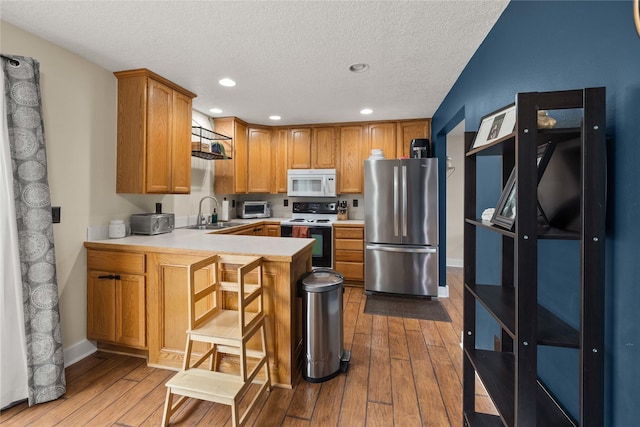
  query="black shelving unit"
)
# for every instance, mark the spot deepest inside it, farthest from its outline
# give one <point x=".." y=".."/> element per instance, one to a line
<point x="509" y="373"/>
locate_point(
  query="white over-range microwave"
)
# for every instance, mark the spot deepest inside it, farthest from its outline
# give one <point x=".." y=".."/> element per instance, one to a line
<point x="311" y="182"/>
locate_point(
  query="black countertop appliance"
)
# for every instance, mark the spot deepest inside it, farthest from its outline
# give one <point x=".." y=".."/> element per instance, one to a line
<point x="420" y="148"/>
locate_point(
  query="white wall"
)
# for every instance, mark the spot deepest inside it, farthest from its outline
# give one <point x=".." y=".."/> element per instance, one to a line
<point x="455" y="192"/>
<point x="79" y="114"/>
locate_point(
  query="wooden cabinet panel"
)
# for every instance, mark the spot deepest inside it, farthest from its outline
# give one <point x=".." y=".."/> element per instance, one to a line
<point x="230" y="176"/>
<point x="349" y="232"/>
<point x="280" y="160"/>
<point x="382" y="136"/>
<point x="408" y="130"/>
<point x="101" y="310"/>
<point x="351" y="270"/>
<point x="154" y="123"/>
<point x="116" y="300"/>
<point x="272" y="230"/>
<point x="158" y="152"/>
<point x="131" y="316"/>
<point x="123" y="262"/>
<point x="299" y="151"/>
<point x="350" y="160"/>
<point x="323" y="148"/>
<point x="259" y="150"/>
<point x="348" y="246"/>
<point x="181" y="145"/>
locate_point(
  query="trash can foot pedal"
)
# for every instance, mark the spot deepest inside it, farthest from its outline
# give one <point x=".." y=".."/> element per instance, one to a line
<point x="344" y="361"/>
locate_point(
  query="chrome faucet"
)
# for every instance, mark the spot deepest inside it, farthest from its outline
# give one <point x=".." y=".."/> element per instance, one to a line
<point x="199" y="220"/>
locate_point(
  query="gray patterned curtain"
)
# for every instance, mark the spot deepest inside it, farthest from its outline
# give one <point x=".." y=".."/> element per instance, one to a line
<point x="45" y="362"/>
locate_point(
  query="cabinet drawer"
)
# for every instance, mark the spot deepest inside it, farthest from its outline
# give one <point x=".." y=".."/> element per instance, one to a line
<point x="352" y="245"/>
<point x="353" y="256"/>
<point x="350" y="270"/>
<point x="349" y="233"/>
<point x="119" y="262"/>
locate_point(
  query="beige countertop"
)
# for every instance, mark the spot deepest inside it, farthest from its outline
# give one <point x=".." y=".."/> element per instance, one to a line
<point x="349" y="222"/>
<point x="183" y="239"/>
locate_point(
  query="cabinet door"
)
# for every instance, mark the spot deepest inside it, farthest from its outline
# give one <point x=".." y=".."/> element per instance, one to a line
<point x="101" y="310"/>
<point x="300" y="148"/>
<point x="272" y="230"/>
<point x="350" y="171"/>
<point x="280" y="161"/>
<point x="259" y="161"/>
<point x="158" y="149"/>
<point x="411" y="130"/>
<point x="181" y="144"/>
<point x="240" y="161"/>
<point x="382" y="136"/>
<point x="130" y="311"/>
<point x="323" y="148"/>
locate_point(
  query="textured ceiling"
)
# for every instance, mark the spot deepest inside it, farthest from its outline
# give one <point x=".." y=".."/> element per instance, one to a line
<point x="289" y="58"/>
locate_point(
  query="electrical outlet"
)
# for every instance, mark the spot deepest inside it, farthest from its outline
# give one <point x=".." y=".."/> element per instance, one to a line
<point x="286" y="202"/>
<point x="55" y="214"/>
<point x="355" y="203"/>
<point x="233" y="203"/>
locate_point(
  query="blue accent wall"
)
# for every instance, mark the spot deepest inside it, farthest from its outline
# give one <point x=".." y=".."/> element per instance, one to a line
<point x="560" y="45"/>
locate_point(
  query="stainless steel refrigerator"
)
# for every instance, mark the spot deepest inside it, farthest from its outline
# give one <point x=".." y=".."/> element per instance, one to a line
<point x="401" y="226"/>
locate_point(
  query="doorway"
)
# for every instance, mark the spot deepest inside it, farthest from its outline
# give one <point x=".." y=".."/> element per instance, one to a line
<point x="455" y="196"/>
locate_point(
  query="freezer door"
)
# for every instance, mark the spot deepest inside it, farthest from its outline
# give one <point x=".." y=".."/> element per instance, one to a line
<point x="382" y="201"/>
<point x="400" y="269"/>
<point x="419" y="201"/>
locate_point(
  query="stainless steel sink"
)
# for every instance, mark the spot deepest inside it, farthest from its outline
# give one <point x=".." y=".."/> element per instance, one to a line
<point x="216" y="226"/>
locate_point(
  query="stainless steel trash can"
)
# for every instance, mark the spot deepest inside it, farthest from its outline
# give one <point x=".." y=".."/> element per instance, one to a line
<point x="324" y="354"/>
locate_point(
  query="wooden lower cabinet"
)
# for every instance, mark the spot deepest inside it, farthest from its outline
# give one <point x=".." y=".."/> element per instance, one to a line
<point x="167" y="308"/>
<point x="348" y="244"/>
<point x="272" y="230"/>
<point x="116" y="299"/>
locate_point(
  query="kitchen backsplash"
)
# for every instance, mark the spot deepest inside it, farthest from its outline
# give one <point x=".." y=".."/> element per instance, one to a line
<point x="278" y="210"/>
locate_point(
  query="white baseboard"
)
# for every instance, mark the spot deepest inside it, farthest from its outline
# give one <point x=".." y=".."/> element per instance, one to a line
<point x="443" y="291"/>
<point x="454" y="262"/>
<point x="78" y="352"/>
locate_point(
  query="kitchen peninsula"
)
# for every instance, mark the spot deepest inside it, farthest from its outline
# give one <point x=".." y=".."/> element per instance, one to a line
<point x="137" y="293"/>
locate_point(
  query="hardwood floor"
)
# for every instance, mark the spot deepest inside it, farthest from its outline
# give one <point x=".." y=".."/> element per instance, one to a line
<point x="403" y="372"/>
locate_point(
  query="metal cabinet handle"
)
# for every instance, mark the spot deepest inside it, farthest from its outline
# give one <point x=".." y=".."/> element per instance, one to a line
<point x="110" y="277"/>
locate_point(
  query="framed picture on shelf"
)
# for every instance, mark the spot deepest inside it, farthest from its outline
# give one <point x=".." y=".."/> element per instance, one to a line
<point x="495" y="125"/>
<point x="505" y="212"/>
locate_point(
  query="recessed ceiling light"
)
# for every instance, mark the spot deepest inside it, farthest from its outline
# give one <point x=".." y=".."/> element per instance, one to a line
<point x="227" y="82"/>
<point x="216" y="110"/>
<point x="366" y="111"/>
<point x="359" y="68"/>
<point x="275" y="117"/>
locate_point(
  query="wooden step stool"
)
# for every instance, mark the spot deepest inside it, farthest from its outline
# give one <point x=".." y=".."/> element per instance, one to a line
<point x="226" y="330"/>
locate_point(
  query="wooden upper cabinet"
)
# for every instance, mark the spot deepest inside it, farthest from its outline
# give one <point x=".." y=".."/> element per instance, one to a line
<point x="323" y="148"/>
<point x="280" y="163"/>
<point x="408" y="130"/>
<point x="382" y="136"/>
<point x="154" y="134"/>
<point x="230" y="176"/>
<point x="350" y="159"/>
<point x="299" y="148"/>
<point x="181" y="153"/>
<point x="259" y="150"/>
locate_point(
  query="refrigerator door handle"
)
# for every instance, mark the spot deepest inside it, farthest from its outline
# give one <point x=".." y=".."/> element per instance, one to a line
<point x="404" y="201"/>
<point x="412" y="249"/>
<point x="395" y="201"/>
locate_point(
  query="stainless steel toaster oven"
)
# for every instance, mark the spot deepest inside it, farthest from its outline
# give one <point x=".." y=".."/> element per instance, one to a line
<point x="152" y="223"/>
